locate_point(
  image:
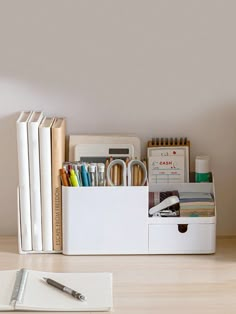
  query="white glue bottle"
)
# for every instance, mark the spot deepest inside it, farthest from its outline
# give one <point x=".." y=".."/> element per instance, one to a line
<point x="202" y="169"/>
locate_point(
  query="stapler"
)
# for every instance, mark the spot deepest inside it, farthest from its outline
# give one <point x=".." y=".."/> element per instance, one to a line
<point x="162" y="209"/>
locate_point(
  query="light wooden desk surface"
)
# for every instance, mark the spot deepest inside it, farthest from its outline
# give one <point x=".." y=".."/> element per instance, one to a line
<point x="149" y="284"/>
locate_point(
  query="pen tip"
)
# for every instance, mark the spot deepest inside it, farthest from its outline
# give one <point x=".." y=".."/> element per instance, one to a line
<point x="81" y="297"/>
<point x="44" y="278"/>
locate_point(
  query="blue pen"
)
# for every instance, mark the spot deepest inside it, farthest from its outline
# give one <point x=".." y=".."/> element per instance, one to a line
<point x="89" y="180"/>
<point x="84" y="176"/>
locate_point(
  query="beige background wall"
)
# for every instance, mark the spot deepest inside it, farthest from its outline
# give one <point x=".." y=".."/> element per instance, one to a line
<point x="152" y="68"/>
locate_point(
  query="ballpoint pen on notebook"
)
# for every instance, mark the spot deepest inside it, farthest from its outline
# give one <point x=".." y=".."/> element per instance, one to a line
<point x="65" y="289"/>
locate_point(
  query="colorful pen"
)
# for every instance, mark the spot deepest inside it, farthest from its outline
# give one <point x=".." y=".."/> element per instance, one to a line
<point x="63" y="175"/>
<point x="73" y="178"/>
<point x="84" y="176"/>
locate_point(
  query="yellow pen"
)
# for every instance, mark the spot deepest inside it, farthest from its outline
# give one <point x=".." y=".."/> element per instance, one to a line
<point x="73" y="178"/>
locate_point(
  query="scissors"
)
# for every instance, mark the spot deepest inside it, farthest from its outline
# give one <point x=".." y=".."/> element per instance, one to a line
<point x="127" y="171"/>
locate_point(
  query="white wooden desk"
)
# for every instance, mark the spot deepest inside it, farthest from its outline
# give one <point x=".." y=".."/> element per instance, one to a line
<point x="149" y="284"/>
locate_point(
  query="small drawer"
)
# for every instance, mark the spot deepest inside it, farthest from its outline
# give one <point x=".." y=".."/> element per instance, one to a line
<point x="182" y="238"/>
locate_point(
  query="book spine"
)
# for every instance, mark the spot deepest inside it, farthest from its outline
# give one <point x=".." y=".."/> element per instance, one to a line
<point x="58" y="157"/>
<point x="46" y="186"/>
<point x="35" y="193"/>
<point x="24" y="187"/>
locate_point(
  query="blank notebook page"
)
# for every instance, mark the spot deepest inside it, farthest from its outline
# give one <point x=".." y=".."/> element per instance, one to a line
<point x="38" y="295"/>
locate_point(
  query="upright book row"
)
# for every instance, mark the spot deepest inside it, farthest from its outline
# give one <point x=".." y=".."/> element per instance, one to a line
<point x="41" y="152"/>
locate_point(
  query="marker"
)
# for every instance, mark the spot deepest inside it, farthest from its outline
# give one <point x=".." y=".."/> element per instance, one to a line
<point x="73" y="178"/>
<point x="84" y="176"/>
<point x="69" y="167"/>
<point x="75" y="167"/>
<point x="92" y="174"/>
<point x="101" y="174"/>
<point x="63" y="175"/>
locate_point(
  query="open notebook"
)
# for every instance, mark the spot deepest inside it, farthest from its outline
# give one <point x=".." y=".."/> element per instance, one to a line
<point x="26" y="290"/>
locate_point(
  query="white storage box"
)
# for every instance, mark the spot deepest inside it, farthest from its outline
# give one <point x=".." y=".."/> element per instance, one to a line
<point x="182" y="235"/>
<point x="114" y="220"/>
<point x="105" y="220"/>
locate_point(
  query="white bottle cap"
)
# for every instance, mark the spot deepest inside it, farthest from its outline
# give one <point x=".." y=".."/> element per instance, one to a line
<point x="101" y="167"/>
<point x="202" y="164"/>
<point x="92" y="168"/>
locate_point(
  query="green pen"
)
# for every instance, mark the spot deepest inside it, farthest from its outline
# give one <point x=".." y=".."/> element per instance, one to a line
<point x="73" y="178"/>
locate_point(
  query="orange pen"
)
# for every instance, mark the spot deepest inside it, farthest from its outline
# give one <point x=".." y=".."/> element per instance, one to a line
<point x="63" y="176"/>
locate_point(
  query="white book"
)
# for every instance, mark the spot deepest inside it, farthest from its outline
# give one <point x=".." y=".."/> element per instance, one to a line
<point x="46" y="181"/>
<point x="26" y="290"/>
<point x="35" y="191"/>
<point x="23" y="174"/>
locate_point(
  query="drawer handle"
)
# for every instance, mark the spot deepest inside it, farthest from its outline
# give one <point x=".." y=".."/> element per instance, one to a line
<point x="182" y="228"/>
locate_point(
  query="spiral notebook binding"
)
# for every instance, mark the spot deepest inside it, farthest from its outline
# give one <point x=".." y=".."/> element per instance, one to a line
<point x="18" y="289"/>
<point x="161" y="141"/>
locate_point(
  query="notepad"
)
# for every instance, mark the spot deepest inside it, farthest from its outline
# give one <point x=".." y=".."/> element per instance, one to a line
<point x="196" y="204"/>
<point x="26" y="290"/>
<point x="168" y="160"/>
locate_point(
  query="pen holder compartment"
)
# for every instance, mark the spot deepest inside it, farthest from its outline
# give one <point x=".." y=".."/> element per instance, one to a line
<point x="105" y="220"/>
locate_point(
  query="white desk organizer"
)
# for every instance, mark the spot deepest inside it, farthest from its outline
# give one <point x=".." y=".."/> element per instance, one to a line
<point x="105" y="220"/>
<point x="114" y="220"/>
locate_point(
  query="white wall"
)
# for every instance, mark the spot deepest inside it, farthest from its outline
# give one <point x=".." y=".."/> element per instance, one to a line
<point x="152" y="68"/>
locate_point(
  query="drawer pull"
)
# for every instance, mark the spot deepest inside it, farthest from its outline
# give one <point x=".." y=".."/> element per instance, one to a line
<point x="182" y="228"/>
